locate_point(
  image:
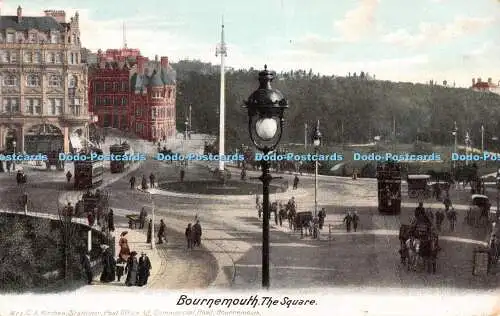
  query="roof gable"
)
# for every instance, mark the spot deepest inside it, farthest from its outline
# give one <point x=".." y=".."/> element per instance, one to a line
<point x="41" y="23"/>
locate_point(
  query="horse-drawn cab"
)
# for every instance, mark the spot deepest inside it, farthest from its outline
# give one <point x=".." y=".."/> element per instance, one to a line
<point x="302" y="219"/>
<point x="418" y="185"/>
<point x="480" y="208"/>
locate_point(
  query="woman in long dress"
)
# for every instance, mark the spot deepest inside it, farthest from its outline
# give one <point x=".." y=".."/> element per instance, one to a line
<point x="109" y="264"/>
<point x="131" y="269"/>
<point x="124" y="248"/>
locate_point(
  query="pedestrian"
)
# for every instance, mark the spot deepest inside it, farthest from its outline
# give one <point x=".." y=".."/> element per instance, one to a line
<point x="108" y="265"/>
<point x="189" y="236"/>
<point x="321" y="217"/>
<point x="197" y="233"/>
<point x="68" y="176"/>
<point x="259" y="209"/>
<point x="183" y="173"/>
<point x="143" y="270"/>
<point x="243" y="174"/>
<point x="111" y="221"/>
<point x="315" y="226"/>
<point x="447" y="203"/>
<point x="24" y="202"/>
<point x="151" y="180"/>
<point x="132" y="183"/>
<point x="348" y="221"/>
<point x="439" y="219"/>
<point x="87" y="268"/>
<point x="161" y="232"/>
<point x="124" y="248"/>
<point x="144" y="183"/>
<point x="142" y="217"/>
<point x="282" y="213"/>
<point x="274" y="210"/>
<point x="355" y="221"/>
<point x="295" y="182"/>
<point x="150" y="231"/>
<point x="452" y="218"/>
<point x="90" y="219"/>
<point x="120" y="268"/>
<point x="131" y="269"/>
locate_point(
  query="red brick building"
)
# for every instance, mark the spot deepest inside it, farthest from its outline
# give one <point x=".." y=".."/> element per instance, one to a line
<point x="129" y="92"/>
<point x="485" y="86"/>
<point x="153" y="99"/>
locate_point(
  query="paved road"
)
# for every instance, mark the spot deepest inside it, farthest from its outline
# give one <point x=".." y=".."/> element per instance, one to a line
<point x="362" y="259"/>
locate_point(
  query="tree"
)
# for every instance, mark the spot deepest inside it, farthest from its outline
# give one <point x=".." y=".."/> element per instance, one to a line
<point x="69" y="232"/>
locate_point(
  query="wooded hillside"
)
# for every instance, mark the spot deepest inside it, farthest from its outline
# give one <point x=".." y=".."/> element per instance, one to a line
<point x="365" y="108"/>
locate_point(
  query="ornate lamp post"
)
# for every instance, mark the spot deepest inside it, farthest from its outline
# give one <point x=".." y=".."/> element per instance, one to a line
<point x="316" y="138"/>
<point x="14" y="145"/>
<point x="454" y="132"/>
<point x="265" y="107"/>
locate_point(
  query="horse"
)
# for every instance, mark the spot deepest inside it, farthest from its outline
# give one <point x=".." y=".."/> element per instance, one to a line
<point x="414" y="257"/>
<point x="429" y="251"/>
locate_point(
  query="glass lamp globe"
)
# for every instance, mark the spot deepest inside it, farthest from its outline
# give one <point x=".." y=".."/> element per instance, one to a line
<point x="316" y="142"/>
<point x="266" y="128"/>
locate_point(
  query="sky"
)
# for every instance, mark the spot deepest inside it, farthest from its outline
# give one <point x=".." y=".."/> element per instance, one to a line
<point x="397" y="40"/>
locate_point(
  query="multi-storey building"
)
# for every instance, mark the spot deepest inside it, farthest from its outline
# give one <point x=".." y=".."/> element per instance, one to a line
<point x="109" y="88"/>
<point x="43" y="95"/>
<point x="485" y="86"/>
<point x="153" y="94"/>
<point x="129" y="92"/>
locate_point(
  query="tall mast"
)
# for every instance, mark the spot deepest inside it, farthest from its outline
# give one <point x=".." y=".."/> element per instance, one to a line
<point x="124" y="36"/>
<point x="222" y="51"/>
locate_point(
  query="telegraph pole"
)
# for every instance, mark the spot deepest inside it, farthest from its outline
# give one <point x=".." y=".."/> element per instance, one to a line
<point x="190" y="119"/>
<point x="305" y="136"/>
<point x="222" y="51"/>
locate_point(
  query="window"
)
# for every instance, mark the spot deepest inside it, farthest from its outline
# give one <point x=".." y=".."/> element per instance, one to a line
<point x="54" y="81"/>
<point x="28" y="57"/>
<point x="55" y="107"/>
<point x="107" y="87"/>
<point x="72" y="59"/>
<point x="13" y="57"/>
<point x="32" y="37"/>
<point x="54" y="37"/>
<point x="11" y="37"/>
<point x="10" y="80"/>
<point x="10" y="105"/>
<point x="153" y="113"/>
<point x="33" y="80"/>
<point x="116" y="87"/>
<point x="51" y="58"/>
<point x="76" y="101"/>
<point x="74" y="38"/>
<point x="124" y="86"/>
<point x="59" y="58"/>
<point x="124" y="101"/>
<point x="72" y="82"/>
<point x="116" y="101"/>
<point x="97" y="87"/>
<point x="5" y="57"/>
<point x="33" y="106"/>
<point x="37" y="57"/>
<point x="169" y="95"/>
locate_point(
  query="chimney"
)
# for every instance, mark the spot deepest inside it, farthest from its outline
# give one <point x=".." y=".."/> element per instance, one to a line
<point x="473" y="82"/>
<point x="141" y="61"/>
<point x="58" y="15"/>
<point x="164" y="62"/>
<point x="19" y="14"/>
<point x="490" y="81"/>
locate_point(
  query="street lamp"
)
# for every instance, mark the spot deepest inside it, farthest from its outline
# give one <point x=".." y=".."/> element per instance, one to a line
<point x="153" y="244"/>
<point x="14" y="144"/>
<point x="265" y="107"/>
<point x="454" y="132"/>
<point x="316" y="138"/>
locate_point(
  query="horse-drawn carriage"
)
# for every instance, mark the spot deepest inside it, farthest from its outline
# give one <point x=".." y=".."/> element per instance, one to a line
<point x="419" y="243"/>
<point x="479" y="211"/>
<point x="418" y="185"/>
<point x="302" y="220"/>
<point x="97" y="204"/>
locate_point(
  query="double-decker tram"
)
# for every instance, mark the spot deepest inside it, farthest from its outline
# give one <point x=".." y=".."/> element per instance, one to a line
<point x="118" y="166"/>
<point x="88" y="173"/>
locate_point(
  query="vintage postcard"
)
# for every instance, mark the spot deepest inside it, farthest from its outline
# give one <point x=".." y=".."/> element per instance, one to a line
<point x="249" y="157"/>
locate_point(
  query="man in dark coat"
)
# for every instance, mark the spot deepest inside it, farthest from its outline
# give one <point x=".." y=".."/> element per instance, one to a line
<point x="197" y="233"/>
<point x="68" y="176"/>
<point x="111" y="221"/>
<point x="144" y="270"/>
<point x="183" y="174"/>
<point x="108" y="264"/>
<point x="144" y="183"/>
<point x="87" y="269"/>
<point x="151" y="180"/>
<point x="295" y="182"/>
<point x="189" y="236"/>
<point x="142" y="217"/>
<point x="132" y="183"/>
<point x="161" y="232"/>
<point x="321" y="217"/>
<point x="150" y="231"/>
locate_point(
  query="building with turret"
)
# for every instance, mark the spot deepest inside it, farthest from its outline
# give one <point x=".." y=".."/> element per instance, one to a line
<point x="43" y="95"/>
<point x="485" y="86"/>
<point x="132" y="93"/>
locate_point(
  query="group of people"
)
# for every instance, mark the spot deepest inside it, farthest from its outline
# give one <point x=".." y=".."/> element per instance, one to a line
<point x="308" y="225"/>
<point x="193" y="234"/>
<point x="144" y="182"/>
<point x="351" y="219"/>
<point x="137" y="271"/>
